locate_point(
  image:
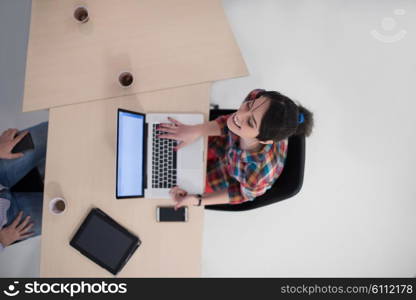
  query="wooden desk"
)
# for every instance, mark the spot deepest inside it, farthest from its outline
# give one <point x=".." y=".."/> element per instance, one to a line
<point x="80" y="167"/>
<point x="164" y="44"/>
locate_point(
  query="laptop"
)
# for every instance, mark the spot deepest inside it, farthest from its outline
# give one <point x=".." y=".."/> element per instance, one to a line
<point x="147" y="166"/>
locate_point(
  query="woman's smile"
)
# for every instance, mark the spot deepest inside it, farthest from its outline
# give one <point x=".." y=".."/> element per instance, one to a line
<point x="236" y="121"/>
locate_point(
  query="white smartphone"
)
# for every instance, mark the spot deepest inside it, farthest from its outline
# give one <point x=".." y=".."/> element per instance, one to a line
<point x="169" y="214"/>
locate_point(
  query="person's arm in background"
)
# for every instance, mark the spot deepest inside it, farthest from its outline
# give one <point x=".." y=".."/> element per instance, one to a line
<point x="8" y="140"/>
<point x="15" y="231"/>
<point x="187" y="134"/>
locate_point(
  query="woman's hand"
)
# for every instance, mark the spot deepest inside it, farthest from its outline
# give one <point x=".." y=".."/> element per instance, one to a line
<point x="7" y="142"/>
<point x="182" y="198"/>
<point x="185" y="134"/>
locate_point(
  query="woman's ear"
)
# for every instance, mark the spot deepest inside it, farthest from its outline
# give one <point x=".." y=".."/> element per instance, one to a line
<point x="267" y="142"/>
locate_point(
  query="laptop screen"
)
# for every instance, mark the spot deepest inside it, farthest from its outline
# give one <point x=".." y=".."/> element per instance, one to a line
<point x="130" y="154"/>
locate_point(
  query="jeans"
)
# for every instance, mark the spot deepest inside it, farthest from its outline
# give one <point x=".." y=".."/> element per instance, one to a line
<point x="13" y="170"/>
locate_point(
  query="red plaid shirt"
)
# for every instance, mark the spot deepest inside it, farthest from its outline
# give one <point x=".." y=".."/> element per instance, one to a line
<point x="245" y="174"/>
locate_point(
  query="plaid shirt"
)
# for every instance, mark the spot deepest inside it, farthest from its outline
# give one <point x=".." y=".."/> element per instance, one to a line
<point x="245" y="174"/>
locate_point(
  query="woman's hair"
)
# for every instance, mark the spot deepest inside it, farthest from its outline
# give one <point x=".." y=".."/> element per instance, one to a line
<point x="283" y="118"/>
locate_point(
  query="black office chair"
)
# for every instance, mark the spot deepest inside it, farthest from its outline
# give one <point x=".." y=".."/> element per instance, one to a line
<point x="287" y="185"/>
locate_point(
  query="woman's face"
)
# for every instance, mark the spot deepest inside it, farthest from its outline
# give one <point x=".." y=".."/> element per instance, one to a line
<point x="245" y="122"/>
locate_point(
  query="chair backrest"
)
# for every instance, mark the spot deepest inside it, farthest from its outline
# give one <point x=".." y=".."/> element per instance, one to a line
<point x="287" y="185"/>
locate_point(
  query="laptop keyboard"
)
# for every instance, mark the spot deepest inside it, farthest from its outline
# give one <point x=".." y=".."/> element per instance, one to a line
<point x="163" y="161"/>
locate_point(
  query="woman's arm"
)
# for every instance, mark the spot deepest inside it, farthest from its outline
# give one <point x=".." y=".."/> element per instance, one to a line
<point x="220" y="197"/>
<point x="210" y="128"/>
<point x="182" y="198"/>
<point x="187" y="134"/>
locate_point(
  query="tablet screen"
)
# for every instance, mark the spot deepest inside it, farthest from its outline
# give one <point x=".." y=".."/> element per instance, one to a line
<point x="104" y="241"/>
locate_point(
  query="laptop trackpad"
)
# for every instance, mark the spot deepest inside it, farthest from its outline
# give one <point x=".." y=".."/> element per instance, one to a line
<point x="190" y="167"/>
<point x="190" y="181"/>
<point x="191" y="156"/>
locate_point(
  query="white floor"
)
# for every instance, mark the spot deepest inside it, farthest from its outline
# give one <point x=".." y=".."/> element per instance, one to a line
<point x="353" y="64"/>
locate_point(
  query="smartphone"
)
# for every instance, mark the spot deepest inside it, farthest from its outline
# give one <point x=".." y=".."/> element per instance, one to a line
<point x="169" y="214"/>
<point x="25" y="144"/>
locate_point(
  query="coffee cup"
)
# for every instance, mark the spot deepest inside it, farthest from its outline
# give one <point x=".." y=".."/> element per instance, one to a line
<point x="125" y="79"/>
<point x="81" y="14"/>
<point x="57" y="206"/>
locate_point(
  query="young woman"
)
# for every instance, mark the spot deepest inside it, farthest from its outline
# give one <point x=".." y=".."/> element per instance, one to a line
<point x="246" y="149"/>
